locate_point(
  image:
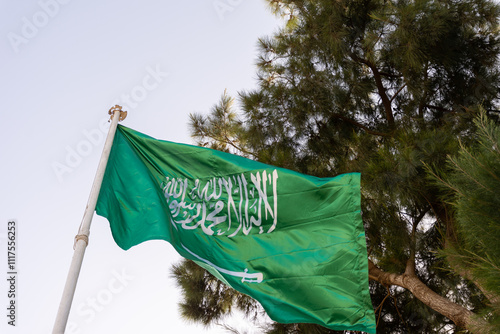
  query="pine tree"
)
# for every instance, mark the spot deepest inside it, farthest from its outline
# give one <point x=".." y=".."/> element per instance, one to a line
<point x="474" y="184"/>
<point x="385" y="88"/>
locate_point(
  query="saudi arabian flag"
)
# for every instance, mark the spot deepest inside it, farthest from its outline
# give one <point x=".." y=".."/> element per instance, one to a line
<point x="293" y="242"/>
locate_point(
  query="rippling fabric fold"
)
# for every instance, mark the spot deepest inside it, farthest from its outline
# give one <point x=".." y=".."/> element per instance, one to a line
<point x="293" y="242"/>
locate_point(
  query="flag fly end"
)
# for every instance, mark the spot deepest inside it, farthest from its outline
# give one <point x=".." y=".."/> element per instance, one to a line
<point x="294" y="242"/>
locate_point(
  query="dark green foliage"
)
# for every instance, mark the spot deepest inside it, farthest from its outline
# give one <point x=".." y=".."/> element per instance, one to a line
<point x="206" y="299"/>
<point x="474" y="184"/>
<point x="388" y="89"/>
<point x="221" y="130"/>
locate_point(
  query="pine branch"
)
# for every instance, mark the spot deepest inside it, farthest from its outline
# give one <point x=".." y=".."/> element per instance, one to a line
<point x="362" y="126"/>
<point x="410" y="263"/>
<point x="439" y="108"/>
<point x="386" y="102"/>
<point x="396" y="94"/>
<point x="459" y="269"/>
<point x="390" y="75"/>
<point x="228" y="141"/>
<point x="461" y="316"/>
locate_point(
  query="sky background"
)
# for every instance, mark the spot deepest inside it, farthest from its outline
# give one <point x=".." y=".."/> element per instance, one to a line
<point x="64" y="63"/>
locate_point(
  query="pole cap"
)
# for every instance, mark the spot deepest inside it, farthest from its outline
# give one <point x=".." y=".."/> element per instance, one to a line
<point x="123" y="114"/>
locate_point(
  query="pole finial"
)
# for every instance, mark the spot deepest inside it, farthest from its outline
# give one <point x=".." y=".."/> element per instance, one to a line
<point x="123" y="114"/>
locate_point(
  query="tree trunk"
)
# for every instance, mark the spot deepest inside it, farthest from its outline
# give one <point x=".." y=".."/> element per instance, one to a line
<point x="461" y="316"/>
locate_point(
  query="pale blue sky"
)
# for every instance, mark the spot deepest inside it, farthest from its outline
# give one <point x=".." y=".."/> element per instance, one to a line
<point x="64" y="64"/>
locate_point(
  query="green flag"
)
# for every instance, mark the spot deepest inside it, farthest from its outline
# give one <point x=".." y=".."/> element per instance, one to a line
<point x="293" y="242"/>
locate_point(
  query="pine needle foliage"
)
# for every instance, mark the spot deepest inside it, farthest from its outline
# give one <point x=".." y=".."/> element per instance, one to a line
<point x="385" y="88"/>
<point x="221" y="129"/>
<point x="474" y="185"/>
<point x="207" y="300"/>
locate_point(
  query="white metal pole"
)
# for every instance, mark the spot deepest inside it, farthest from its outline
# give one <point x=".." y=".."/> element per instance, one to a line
<point x="81" y="240"/>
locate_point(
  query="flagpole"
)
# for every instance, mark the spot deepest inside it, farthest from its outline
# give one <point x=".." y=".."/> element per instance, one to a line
<point x="82" y="239"/>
